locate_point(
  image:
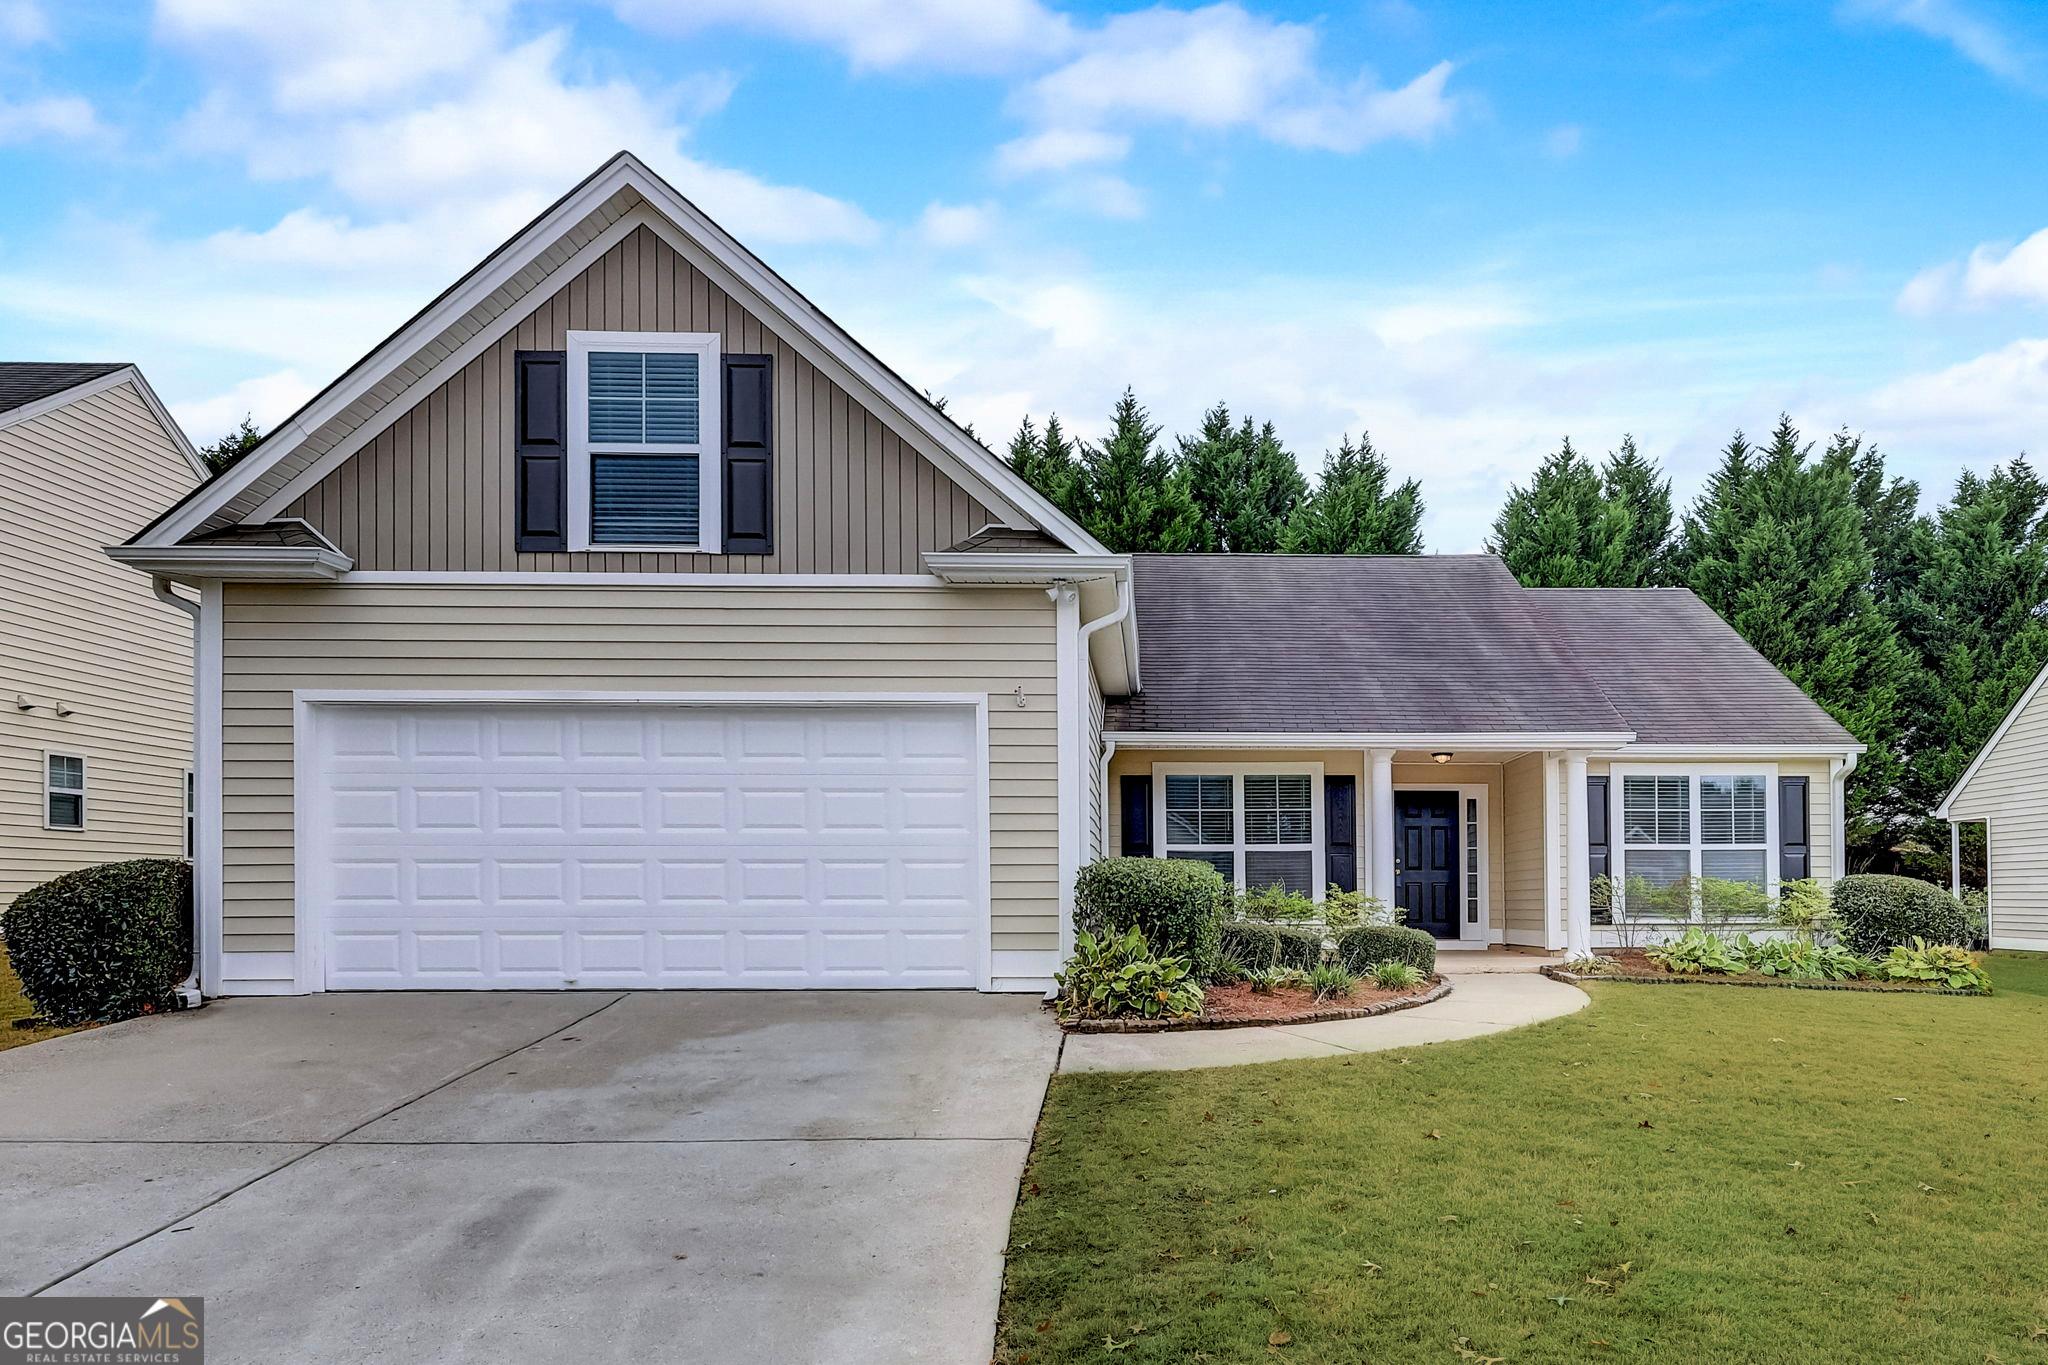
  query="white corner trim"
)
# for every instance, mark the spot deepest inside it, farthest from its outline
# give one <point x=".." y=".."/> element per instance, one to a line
<point x="1941" y="811"/>
<point x="1071" y="722"/>
<point x="207" y="790"/>
<point x="729" y="264"/>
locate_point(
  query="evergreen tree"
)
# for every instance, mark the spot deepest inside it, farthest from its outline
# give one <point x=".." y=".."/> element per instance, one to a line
<point x="1245" y="483"/>
<point x="1891" y="507"/>
<point x="1562" y="531"/>
<point x="1352" y="513"/>
<point x="229" y="449"/>
<point x="1048" y="463"/>
<point x="1634" y="484"/>
<point x="1778" y="545"/>
<point x="1137" y="496"/>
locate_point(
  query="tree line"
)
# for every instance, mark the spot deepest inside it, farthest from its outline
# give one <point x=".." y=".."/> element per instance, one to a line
<point x="1917" y="631"/>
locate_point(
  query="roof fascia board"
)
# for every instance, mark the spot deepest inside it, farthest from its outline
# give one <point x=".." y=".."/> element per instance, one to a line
<point x="969" y="566"/>
<point x="259" y="564"/>
<point x="1282" y="739"/>
<point x="1941" y="811"/>
<point x="1631" y="752"/>
<point x="64" y="398"/>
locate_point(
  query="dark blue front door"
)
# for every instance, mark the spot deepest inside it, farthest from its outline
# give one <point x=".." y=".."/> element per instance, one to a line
<point x="1426" y="861"/>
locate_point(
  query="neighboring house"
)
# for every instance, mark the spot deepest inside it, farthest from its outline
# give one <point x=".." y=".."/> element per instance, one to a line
<point x="2006" y="788"/>
<point x="620" y="621"/>
<point x="95" y="671"/>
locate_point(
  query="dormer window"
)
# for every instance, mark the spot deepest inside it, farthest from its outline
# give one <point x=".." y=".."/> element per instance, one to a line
<point x="643" y="450"/>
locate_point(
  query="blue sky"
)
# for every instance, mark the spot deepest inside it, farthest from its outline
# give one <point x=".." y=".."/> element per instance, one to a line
<point x="1470" y="228"/>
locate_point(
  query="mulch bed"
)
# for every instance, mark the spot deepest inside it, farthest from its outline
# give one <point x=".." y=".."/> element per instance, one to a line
<point x="1632" y="964"/>
<point x="1239" y="1006"/>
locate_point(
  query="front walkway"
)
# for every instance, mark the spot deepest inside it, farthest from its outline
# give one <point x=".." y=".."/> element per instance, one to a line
<point x="1490" y="993"/>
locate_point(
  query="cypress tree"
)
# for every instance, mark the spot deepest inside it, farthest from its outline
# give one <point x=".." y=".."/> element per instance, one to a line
<point x="1048" y="463"/>
<point x="1245" y="483"/>
<point x="1562" y="531"/>
<point x="1352" y="513"/>
<point x="1138" y="497"/>
<point x="1778" y="545"/>
<point x="1634" y="484"/>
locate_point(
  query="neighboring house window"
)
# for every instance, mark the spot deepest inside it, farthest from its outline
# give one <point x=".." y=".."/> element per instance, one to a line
<point x="1702" y="824"/>
<point x="63" y="791"/>
<point x="1259" y="828"/>
<point x="644" y="425"/>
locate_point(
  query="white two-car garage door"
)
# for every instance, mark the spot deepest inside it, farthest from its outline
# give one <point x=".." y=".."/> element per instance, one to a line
<point x="630" y="845"/>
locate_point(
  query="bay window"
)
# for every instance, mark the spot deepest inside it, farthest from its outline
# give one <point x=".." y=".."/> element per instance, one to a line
<point x="1258" y="826"/>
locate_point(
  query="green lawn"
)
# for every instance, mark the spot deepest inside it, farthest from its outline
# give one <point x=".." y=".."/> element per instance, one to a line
<point x="1675" y="1174"/>
<point x="13" y="1006"/>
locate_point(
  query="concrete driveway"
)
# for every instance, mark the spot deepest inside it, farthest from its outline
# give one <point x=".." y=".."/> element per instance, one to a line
<point x="493" y="1177"/>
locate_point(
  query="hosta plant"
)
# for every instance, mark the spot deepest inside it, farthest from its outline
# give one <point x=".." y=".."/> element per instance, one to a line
<point x="1396" y="976"/>
<point x="1944" y="963"/>
<point x="1117" y="977"/>
<point x="1696" y="952"/>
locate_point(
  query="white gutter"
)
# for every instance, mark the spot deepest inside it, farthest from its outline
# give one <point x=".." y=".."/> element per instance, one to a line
<point x="1838" y="782"/>
<point x="188" y="989"/>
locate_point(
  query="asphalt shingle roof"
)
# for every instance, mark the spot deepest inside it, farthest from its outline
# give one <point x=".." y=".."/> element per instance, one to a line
<point x="1447" y="644"/>
<point x="23" y="382"/>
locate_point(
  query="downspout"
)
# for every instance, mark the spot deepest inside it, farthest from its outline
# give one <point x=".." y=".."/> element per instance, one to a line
<point x="188" y="989"/>
<point x="1085" y="665"/>
<point x="1839" y="780"/>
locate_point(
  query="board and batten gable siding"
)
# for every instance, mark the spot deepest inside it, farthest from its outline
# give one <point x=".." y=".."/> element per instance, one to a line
<point x="77" y="628"/>
<point x="2009" y="792"/>
<point x="613" y="638"/>
<point x="434" y="490"/>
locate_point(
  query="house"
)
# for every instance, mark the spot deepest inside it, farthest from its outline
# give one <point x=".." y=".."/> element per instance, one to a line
<point x="2005" y="787"/>
<point x="96" y="672"/>
<point x="621" y="621"/>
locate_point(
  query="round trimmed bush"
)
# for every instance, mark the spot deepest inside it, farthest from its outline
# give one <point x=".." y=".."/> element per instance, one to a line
<point x="1177" y="903"/>
<point x="1877" y="912"/>
<point x="1254" y="947"/>
<point x="1363" y="948"/>
<point x="1299" y="948"/>
<point x="104" y="942"/>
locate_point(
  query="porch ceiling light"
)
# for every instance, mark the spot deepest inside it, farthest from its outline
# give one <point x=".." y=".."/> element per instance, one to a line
<point x="1440" y="757"/>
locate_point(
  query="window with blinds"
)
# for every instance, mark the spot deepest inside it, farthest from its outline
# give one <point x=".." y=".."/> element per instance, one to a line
<point x="643" y="466"/>
<point x="1676" y="827"/>
<point x="1257" y="829"/>
<point x="64" y="792"/>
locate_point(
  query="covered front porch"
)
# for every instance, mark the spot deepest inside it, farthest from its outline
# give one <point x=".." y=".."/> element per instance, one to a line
<point x="1470" y="837"/>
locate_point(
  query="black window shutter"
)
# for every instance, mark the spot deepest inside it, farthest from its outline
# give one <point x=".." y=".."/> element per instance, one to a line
<point x="1599" y="844"/>
<point x="749" y="454"/>
<point x="541" y="428"/>
<point x="1795" y="837"/>
<point x="1340" y="831"/>
<point x="1137" y="800"/>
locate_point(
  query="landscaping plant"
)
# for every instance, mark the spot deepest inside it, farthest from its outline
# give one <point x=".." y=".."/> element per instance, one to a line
<point x="1116" y="976"/>
<point x="1276" y="905"/>
<point x="1396" y="976"/>
<point x="1176" y="902"/>
<point x="1349" y="909"/>
<point x="1696" y="952"/>
<point x="1805" y="908"/>
<point x="1360" y="949"/>
<point x="1266" y="980"/>
<point x="1877" y="912"/>
<point x="1941" y="962"/>
<point x="1329" y="982"/>
<point x="1298" y="947"/>
<point x="106" y="942"/>
<point x="1252" y="946"/>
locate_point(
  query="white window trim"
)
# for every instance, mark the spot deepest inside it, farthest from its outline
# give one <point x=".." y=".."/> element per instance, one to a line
<point x="83" y="791"/>
<point x="1692" y="772"/>
<point x="1237" y="772"/>
<point x="709" y="450"/>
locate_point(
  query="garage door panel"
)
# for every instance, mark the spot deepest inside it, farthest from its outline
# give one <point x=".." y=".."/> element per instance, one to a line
<point x="501" y="847"/>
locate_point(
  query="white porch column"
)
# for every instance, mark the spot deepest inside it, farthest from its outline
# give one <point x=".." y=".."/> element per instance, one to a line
<point x="1380" y="822"/>
<point x="1578" y="885"/>
<point x="1553" y="845"/>
<point x="1955" y="859"/>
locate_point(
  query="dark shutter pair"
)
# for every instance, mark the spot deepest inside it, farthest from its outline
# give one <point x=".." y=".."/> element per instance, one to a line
<point x="541" y="449"/>
<point x="1340" y="825"/>
<point x="1795" y="836"/>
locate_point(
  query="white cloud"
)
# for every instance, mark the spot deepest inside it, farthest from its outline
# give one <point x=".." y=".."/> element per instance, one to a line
<point x="61" y="116"/>
<point x="1976" y="38"/>
<point x="2000" y="397"/>
<point x="1059" y="149"/>
<point x="1993" y="274"/>
<point x="954" y="225"/>
<point x="1564" y="141"/>
<point x="1220" y="68"/>
<point x="266" y="400"/>
<point x="22" y="23"/>
<point x="960" y="35"/>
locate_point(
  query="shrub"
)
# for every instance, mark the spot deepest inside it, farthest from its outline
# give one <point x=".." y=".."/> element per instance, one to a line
<point x="1877" y="912"/>
<point x="1695" y="952"/>
<point x="1330" y="981"/>
<point x="1117" y="976"/>
<point x="1176" y="902"/>
<point x="1349" y="909"/>
<point x="1977" y="914"/>
<point x="1943" y="962"/>
<point x="1266" y="980"/>
<point x="1254" y="946"/>
<point x="1723" y="900"/>
<point x="105" y="942"/>
<point x="1296" y="947"/>
<point x="1363" y="948"/>
<point x="1788" y="959"/>
<point x="1396" y="976"/>
<point x="1269" y="904"/>
<point x="1804" y="907"/>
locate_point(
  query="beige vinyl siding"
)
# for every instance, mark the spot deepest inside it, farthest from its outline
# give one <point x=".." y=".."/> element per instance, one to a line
<point x="77" y="628"/>
<point x="2009" y="791"/>
<point x="1523" y="884"/>
<point x="434" y="490"/>
<point x="614" y="638"/>
<point x="1091" y="775"/>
